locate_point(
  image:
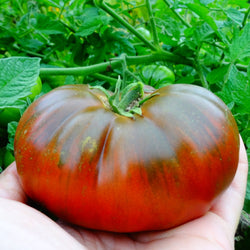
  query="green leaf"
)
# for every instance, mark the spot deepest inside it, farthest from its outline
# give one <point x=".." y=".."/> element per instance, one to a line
<point x="206" y="2"/>
<point x="237" y="90"/>
<point x="241" y="3"/>
<point x="203" y="33"/>
<point x="187" y="79"/>
<point x="235" y="15"/>
<point x="11" y="135"/>
<point x="169" y="27"/>
<point x="248" y="72"/>
<point x="32" y="44"/>
<point x="240" y="47"/>
<point x="17" y="76"/>
<point x="226" y="96"/>
<point x="203" y="13"/>
<point x="47" y="26"/>
<point x="88" y="28"/>
<point x="119" y="41"/>
<point x="217" y="75"/>
<point x="241" y="94"/>
<point x="90" y="21"/>
<point x="52" y="3"/>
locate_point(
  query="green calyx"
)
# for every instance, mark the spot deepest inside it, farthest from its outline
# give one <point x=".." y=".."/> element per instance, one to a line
<point x="127" y="101"/>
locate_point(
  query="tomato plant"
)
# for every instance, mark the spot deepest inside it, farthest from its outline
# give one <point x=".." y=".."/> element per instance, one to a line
<point x="150" y="162"/>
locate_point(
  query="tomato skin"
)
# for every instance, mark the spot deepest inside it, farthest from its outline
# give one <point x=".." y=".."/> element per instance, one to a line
<point x="157" y="76"/>
<point x="144" y="32"/>
<point x="100" y="170"/>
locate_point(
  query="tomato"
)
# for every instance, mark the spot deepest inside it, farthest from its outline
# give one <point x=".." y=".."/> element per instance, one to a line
<point x="13" y="114"/>
<point x="143" y="31"/>
<point x="157" y="76"/>
<point x="98" y="169"/>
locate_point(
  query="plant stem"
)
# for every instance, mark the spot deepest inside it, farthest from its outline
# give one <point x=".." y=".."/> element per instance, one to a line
<point x="124" y="69"/>
<point x="202" y="76"/>
<point x="152" y="23"/>
<point x="115" y="63"/>
<point x="132" y="74"/>
<point x="177" y="14"/>
<point x="226" y="77"/>
<point x="28" y="51"/>
<point x="132" y="8"/>
<point x="162" y="55"/>
<point x="200" y="70"/>
<point x="61" y="10"/>
<point x="87" y="70"/>
<point x="123" y="22"/>
<point x="20" y="7"/>
<point x="109" y="79"/>
<point x="245" y="17"/>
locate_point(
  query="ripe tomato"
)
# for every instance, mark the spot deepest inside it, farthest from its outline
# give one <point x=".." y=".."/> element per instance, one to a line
<point x="101" y="170"/>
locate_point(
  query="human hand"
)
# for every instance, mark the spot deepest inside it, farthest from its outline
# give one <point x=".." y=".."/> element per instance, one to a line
<point x="23" y="227"/>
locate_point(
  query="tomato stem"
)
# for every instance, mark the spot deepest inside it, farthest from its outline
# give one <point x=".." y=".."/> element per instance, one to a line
<point x="109" y="79"/>
<point x="177" y="14"/>
<point x="245" y="17"/>
<point x="126" y="101"/>
<point x="152" y="23"/>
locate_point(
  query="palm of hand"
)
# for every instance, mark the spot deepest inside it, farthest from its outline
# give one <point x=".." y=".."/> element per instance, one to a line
<point x="26" y="228"/>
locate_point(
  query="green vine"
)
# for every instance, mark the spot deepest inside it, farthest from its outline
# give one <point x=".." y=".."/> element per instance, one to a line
<point x="152" y="23"/>
<point x="177" y="14"/>
<point x="101" y="4"/>
<point x="115" y="63"/>
<point x="157" y="54"/>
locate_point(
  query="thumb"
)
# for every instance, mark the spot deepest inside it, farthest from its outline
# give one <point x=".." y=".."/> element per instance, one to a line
<point x="10" y="185"/>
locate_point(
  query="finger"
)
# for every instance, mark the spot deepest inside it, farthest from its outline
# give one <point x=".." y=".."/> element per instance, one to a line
<point x="23" y="227"/>
<point x="230" y="204"/>
<point x="10" y="185"/>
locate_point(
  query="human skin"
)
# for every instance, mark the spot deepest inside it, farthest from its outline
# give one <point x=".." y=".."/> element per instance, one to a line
<point x="24" y="227"/>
